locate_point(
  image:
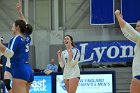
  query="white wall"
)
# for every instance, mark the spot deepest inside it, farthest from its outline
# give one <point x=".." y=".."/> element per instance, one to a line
<point x="42" y="40"/>
<point x="77" y="23"/>
<point x="88" y="35"/>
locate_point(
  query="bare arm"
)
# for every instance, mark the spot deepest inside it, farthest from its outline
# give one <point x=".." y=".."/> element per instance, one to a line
<point x="2" y="48"/>
<point x="19" y="10"/>
<point x="60" y="58"/>
<point x="120" y="19"/>
<point x="74" y="58"/>
<point x="128" y="31"/>
<point x="70" y="54"/>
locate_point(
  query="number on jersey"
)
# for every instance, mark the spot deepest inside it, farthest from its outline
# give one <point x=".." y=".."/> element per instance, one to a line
<point x="27" y="48"/>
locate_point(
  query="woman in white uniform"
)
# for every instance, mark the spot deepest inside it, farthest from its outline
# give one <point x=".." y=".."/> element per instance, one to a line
<point x="133" y="35"/>
<point x="68" y="59"/>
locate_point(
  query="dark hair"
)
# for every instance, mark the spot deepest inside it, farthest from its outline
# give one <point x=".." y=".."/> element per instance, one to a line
<point x="24" y="28"/>
<point x="71" y="38"/>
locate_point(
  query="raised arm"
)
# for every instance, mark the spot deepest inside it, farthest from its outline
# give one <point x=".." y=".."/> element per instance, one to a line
<point x="127" y="35"/>
<point x="120" y="19"/>
<point x="128" y="31"/>
<point x="19" y="10"/>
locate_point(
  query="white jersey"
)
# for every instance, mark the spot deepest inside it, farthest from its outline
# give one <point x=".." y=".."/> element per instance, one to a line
<point x="71" y="69"/>
<point x="8" y="64"/>
<point x="131" y="34"/>
<point x="1" y="54"/>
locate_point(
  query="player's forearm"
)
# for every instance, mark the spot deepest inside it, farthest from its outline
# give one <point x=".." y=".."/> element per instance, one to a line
<point x="70" y="57"/>
<point x="60" y="61"/>
<point x="121" y="21"/>
<point x="21" y="16"/>
<point x="5" y="51"/>
<point x="2" y="48"/>
<point x="75" y="59"/>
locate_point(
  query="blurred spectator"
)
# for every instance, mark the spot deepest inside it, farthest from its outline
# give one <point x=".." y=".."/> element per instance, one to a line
<point x="52" y="67"/>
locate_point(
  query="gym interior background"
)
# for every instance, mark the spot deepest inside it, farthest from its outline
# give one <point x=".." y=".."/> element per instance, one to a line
<point x="51" y="20"/>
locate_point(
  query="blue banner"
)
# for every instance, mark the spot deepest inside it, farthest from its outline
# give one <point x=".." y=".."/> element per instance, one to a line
<point x="41" y="84"/>
<point x="105" y="51"/>
<point x="101" y="12"/>
<point x="130" y="10"/>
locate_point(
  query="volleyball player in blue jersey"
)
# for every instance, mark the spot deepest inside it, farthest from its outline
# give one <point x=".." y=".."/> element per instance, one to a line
<point x="18" y="53"/>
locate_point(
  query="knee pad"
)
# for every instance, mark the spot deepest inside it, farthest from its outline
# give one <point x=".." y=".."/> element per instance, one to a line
<point x="7" y="84"/>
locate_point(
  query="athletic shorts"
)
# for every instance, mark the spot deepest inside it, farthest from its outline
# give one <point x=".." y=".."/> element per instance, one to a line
<point x="8" y="70"/>
<point x="137" y="77"/>
<point x="23" y="71"/>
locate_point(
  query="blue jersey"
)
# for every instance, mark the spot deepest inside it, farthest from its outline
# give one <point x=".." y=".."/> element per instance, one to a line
<point x="20" y="47"/>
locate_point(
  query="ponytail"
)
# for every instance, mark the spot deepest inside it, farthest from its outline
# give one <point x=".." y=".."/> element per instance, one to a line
<point x="24" y="28"/>
<point x="29" y="29"/>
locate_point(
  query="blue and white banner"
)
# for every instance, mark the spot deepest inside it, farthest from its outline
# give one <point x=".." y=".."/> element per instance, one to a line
<point x="41" y="84"/>
<point x="130" y="10"/>
<point x="105" y="51"/>
<point x="89" y="83"/>
<point x="102" y="12"/>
